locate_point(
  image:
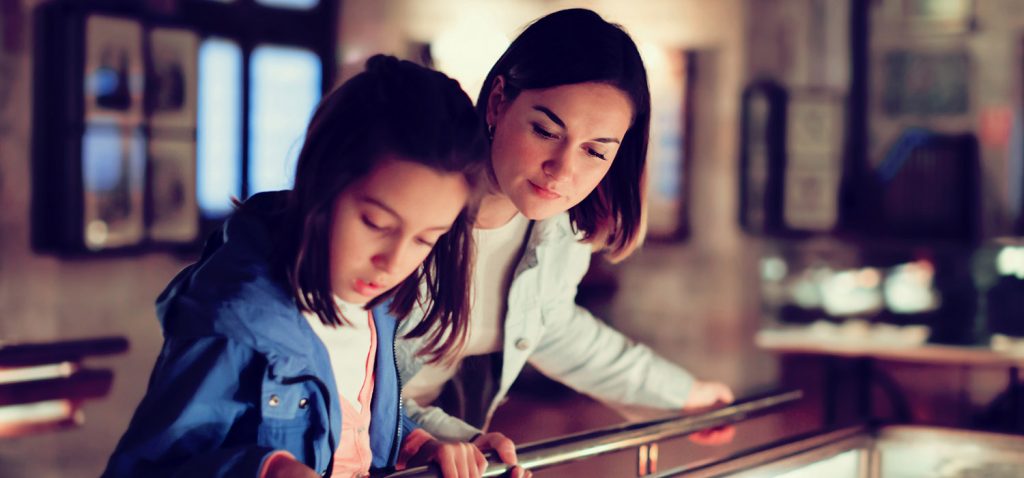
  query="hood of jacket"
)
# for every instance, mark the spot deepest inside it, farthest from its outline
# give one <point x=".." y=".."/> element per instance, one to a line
<point x="233" y="290"/>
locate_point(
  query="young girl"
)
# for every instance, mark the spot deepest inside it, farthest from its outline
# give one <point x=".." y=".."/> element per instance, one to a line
<point x="568" y="113"/>
<point x="272" y="365"/>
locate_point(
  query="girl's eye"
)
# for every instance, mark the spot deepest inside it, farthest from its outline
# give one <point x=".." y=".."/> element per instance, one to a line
<point x="596" y="154"/>
<point x="424" y="242"/>
<point x="372" y="225"/>
<point x="543" y="133"/>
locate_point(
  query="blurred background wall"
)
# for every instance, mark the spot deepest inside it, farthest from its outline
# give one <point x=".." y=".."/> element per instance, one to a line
<point x="710" y="279"/>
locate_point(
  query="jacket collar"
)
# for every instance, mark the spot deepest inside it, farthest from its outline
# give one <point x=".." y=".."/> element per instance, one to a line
<point x="543" y="233"/>
<point x="233" y="290"/>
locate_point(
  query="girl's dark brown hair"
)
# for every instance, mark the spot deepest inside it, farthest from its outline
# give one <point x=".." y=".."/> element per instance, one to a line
<point x="396" y="108"/>
<point x="578" y="46"/>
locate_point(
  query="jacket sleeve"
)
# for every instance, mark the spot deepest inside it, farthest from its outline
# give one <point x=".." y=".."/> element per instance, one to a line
<point x="191" y="421"/>
<point x="442" y="426"/>
<point x="432" y="419"/>
<point x="409" y="424"/>
<point x="591" y="357"/>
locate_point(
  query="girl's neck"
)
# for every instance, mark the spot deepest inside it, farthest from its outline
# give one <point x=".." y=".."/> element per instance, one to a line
<point x="496" y="210"/>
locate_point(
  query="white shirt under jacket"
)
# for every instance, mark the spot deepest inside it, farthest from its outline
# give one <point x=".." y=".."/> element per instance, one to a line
<point x="545" y="327"/>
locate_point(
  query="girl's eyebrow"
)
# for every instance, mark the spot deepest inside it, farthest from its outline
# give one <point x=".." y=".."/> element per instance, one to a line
<point x="380" y="204"/>
<point x="555" y="119"/>
<point x="389" y="210"/>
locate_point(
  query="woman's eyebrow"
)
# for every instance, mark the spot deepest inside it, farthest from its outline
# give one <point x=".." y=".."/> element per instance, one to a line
<point x="555" y="119"/>
<point x="550" y="114"/>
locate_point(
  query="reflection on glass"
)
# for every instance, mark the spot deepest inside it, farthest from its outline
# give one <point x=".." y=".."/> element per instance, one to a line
<point x="909" y="288"/>
<point x="852" y="293"/>
<point x="1010" y="262"/>
<point x="219" y="129"/>
<point x="843" y="465"/>
<point x="294" y="4"/>
<point x="113" y="169"/>
<point x="286" y="85"/>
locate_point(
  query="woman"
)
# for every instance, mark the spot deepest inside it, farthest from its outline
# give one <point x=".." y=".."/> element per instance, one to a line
<point x="568" y="111"/>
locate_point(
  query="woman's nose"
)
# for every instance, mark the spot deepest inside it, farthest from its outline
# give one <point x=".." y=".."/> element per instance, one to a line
<point x="559" y="167"/>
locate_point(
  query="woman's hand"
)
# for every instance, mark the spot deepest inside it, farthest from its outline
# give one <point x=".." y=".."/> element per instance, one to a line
<point x="456" y="460"/>
<point x="706" y="394"/>
<point x="506" y="450"/>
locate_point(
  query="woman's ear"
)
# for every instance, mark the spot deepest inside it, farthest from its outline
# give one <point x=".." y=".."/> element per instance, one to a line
<point x="496" y="100"/>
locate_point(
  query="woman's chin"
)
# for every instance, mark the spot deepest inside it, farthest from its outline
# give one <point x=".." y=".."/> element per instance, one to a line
<point x="537" y="212"/>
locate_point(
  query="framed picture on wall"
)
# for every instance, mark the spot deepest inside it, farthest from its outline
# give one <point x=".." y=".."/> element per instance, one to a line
<point x="114" y="73"/>
<point x="814" y="149"/>
<point x="671" y="80"/>
<point x="171" y="191"/>
<point x="172" y="82"/>
<point x="926" y="82"/>
<point x="762" y="156"/>
<point x="938" y="17"/>
<point x="113" y="173"/>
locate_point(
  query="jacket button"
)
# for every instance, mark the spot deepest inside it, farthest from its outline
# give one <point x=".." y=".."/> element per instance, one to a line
<point x="274" y="401"/>
<point x="522" y="344"/>
<point x="303" y="403"/>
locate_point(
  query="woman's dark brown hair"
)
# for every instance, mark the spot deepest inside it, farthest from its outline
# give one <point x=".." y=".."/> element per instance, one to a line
<point x="396" y="108"/>
<point x="578" y="46"/>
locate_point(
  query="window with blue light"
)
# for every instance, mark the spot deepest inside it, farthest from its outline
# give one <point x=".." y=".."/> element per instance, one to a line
<point x="285" y="87"/>
<point x="294" y="4"/>
<point x="219" y="131"/>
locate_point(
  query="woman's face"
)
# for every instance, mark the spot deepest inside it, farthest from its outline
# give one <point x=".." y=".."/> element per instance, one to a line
<point x="385" y="224"/>
<point x="553" y="146"/>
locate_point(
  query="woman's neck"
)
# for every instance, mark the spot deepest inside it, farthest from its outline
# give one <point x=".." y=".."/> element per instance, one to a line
<point x="496" y="210"/>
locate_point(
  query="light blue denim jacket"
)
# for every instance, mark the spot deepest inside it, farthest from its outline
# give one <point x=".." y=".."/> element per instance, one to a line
<point x="545" y="327"/>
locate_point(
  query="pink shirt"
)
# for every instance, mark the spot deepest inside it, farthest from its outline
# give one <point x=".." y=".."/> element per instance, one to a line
<point x="353" y="457"/>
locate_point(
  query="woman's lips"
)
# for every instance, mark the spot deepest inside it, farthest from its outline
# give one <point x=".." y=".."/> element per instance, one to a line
<point x="544" y="193"/>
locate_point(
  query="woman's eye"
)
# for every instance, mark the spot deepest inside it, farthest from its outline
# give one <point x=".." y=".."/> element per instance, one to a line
<point x="424" y="242"/>
<point x="543" y="132"/>
<point x="596" y="154"/>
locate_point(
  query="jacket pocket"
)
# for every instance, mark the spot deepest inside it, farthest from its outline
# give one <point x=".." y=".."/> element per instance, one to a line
<point x="298" y="437"/>
<point x="299" y="426"/>
<point x="293" y="419"/>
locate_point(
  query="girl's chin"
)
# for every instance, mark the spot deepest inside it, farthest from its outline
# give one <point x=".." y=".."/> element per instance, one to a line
<point x="354" y="298"/>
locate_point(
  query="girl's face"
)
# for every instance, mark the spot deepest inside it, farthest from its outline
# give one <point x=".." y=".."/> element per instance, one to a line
<point x="553" y="146"/>
<point x="386" y="223"/>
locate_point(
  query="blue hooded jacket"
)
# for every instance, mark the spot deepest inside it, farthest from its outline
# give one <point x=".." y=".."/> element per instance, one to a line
<point x="242" y="374"/>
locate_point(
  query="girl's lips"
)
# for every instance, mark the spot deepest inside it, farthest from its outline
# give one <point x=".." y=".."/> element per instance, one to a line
<point x="543" y="192"/>
<point x="367" y="289"/>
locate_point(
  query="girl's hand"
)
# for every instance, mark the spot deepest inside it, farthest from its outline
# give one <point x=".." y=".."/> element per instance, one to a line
<point x="456" y="460"/>
<point x="506" y="450"/>
<point x="706" y="394"/>
<point x="283" y="465"/>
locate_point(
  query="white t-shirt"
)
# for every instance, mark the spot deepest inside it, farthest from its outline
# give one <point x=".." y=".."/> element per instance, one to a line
<point x="348" y="347"/>
<point x="496" y="253"/>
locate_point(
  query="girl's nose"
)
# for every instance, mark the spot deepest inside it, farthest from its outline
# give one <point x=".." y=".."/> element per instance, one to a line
<point x="388" y="259"/>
